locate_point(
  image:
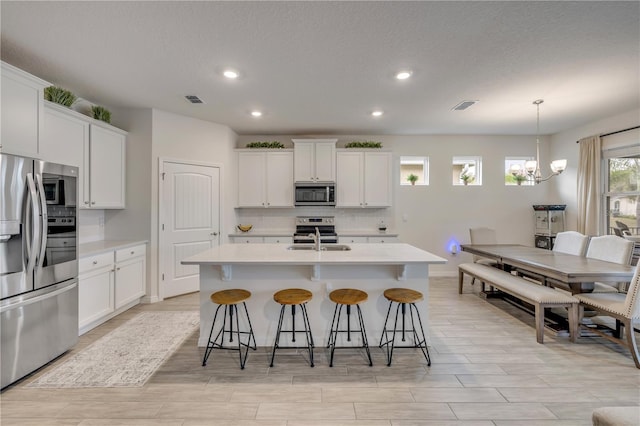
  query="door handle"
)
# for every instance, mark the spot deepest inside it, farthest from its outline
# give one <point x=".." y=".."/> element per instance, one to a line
<point x="43" y="223"/>
<point x="33" y="231"/>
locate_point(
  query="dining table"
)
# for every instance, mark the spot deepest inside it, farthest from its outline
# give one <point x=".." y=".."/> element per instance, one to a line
<point x="574" y="273"/>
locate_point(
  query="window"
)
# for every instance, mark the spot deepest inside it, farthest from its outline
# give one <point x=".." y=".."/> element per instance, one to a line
<point x="516" y="163"/>
<point x="622" y="185"/>
<point x="416" y="166"/>
<point x="467" y="171"/>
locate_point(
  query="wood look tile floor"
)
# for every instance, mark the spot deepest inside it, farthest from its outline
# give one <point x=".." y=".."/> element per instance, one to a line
<point x="487" y="369"/>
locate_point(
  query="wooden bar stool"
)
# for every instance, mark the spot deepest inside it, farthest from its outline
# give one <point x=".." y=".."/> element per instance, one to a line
<point x="230" y="300"/>
<point x="294" y="297"/>
<point x="347" y="297"/>
<point x="404" y="297"/>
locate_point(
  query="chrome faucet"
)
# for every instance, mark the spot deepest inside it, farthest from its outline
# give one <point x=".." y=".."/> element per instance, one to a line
<point x="316" y="239"/>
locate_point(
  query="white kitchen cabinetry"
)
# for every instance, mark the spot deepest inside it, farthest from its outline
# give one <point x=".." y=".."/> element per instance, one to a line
<point x="380" y="240"/>
<point x="265" y="179"/>
<point x="109" y="284"/>
<point x="130" y="275"/>
<point x="97" y="149"/>
<point x="353" y="240"/>
<point x="314" y="160"/>
<point x="106" y="168"/>
<point x="22" y="105"/>
<point x="261" y="240"/>
<point x="95" y="290"/>
<point x="363" y="179"/>
<point x="65" y="140"/>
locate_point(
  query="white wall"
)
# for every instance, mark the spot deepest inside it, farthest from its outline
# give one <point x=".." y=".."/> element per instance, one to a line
<point x="563" y="145"/>
<point x="440" y="212"/>
<point x="182" y="138"/>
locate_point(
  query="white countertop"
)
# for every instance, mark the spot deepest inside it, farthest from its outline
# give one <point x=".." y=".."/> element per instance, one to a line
<point x="102" y="246"/>
<point x="260" y="234"/>
<point x="277" y="254"/>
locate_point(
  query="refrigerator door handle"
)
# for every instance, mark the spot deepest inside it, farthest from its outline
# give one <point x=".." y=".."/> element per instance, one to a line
<point x="43" y="222"/>
<point x="33" y="231"/>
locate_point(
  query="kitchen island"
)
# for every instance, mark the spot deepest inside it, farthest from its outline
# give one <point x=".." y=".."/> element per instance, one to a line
<point x="264" y="269"/>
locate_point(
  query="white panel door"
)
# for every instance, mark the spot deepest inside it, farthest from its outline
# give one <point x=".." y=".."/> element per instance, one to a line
<point x="304" y="162"/>
<point x="325" y="161"/>
<point x="279" y="179"/>
<point x="377" y="179"/>
<point x="251" y="184"/>
<point x="349" y="179"/>
<point x="189" y="222"/>
<point x="107" y="165"/>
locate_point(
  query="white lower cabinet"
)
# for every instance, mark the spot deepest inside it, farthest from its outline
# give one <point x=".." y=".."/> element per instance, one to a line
<point x="130" y="275"/>
<point x="261" y="240"/>
<point x="353" y="240"/>
<point x="379" y="240"/>
<point x="368" y="239"/>
<point x="109" y="284"/>
<point x="279" y="240"/>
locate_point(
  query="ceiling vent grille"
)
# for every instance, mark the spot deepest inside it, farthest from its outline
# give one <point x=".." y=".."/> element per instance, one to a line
<point x="194" y="99"/>
<point x="463" y="105"/>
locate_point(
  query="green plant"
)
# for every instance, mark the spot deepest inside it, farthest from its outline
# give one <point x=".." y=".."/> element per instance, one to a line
<point x="363" y="144"/>
<point x="272" y="145"/>
<point x="466" y="178"/>
<point x="412" y="178"/>
<point x="519" y="178"/>
<point x="101" y="113"/>
<point x="59" y="95"/>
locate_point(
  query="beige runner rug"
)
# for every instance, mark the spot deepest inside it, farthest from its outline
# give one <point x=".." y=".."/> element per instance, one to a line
<point x="127" y="356"/>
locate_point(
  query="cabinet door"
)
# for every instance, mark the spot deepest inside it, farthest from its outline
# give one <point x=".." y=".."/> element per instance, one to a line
<point x="21" y="107"/>
<point x="279" y="179"/>
<point x="65" y="140"/>
<point x="349" y="179"/>
<point x="377" y="179"/>
<point x="251" y="184"/>
<point x="325" y="161"/>
<point x="95" y="295"/>
<point x="130" y="281"/>
<point x="106" y="167"/>
<point x="304" y="162"/>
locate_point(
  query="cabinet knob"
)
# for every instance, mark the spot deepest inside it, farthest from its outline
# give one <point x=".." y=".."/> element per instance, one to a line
<point x="214" y="233"/>
<point x="132" y="252"/>
<point x="93" y="203"/>
<point x="86" y="202"/>
<point x="95" y="262"/>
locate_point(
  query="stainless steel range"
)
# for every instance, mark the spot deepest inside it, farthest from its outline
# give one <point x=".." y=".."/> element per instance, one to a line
<point x="306" y="225"/>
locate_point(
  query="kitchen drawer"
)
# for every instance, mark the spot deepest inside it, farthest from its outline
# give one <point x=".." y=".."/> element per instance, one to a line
<point x="353" y="240"/>
<point x="248" y="240"/>
<point x="130" y="252"/>
<point x="279" y="240"/>
<point x="379" y="240"/>
<point x="98" y="261"/>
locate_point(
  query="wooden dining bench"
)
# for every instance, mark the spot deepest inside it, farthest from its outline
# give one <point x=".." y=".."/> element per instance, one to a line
<point x="539" y="296"/>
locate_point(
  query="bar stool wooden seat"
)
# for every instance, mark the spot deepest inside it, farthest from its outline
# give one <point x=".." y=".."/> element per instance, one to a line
<point x="294" y="297"/>
<point x="347" y="297"/>
<point x="230" y="300"/>
<point x="403" y="297"/>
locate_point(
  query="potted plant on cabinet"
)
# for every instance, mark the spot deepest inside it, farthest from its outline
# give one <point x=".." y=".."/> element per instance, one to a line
<point x="412" y="178"/>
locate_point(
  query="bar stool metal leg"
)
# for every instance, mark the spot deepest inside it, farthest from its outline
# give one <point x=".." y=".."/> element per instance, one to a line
<point x="347" y="297"/>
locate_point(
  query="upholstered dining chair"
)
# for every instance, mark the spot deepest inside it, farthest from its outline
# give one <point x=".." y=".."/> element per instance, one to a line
<point x="483" y="235"/>
<point x="610" y="248"/>
<point x="625" y="308"/>
<point x="571" y="242"/>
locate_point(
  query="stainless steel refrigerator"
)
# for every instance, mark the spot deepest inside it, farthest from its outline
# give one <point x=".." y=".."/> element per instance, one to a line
<point x="38" y="264"/>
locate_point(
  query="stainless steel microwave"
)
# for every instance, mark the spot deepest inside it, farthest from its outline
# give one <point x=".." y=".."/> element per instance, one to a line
<point x="315" y="194"/>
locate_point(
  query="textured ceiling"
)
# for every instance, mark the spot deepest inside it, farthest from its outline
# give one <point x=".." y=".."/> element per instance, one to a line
<point x="322" y="67"/>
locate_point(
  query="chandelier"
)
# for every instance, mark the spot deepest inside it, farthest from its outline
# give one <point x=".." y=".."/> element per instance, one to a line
<point x="532" y="167"/>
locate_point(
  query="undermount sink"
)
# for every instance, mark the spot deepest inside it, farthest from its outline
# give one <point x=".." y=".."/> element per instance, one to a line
<point x="327" y="247"/>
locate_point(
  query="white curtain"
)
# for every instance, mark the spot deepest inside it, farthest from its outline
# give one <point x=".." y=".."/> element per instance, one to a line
<point x="589" y="185"/>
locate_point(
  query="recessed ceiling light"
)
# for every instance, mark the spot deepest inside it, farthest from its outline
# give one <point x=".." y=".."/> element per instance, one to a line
<point x="230" y="74"/>
<point x="403" y="75"/>
<point x="256" y="113"/>
<point x="377" y="113"/>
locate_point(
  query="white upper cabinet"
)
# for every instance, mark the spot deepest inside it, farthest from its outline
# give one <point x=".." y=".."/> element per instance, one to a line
<point x="22" y="105"/>
<point x="315" y="160"/>
<point x="98" y="150"/>
<point x="363" y="179"/>
<point x="106" y="168"/>
<point x="65" y="140"/>
<point x="265" y="179"/>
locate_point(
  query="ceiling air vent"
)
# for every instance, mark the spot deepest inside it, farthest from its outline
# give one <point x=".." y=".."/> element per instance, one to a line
<point x="194" y="99"/>
<point x="463" y="105"/>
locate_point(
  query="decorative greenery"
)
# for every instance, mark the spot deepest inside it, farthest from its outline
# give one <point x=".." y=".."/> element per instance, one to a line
<point x="363" y="144"/>
<point x="271" y="145"/>
<point x="101" y="113"/>
<point x="412" y="178"/>
<point x="519" y="178"/>
<point x="467" y="178"/>
<point x="59" y="95"/>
